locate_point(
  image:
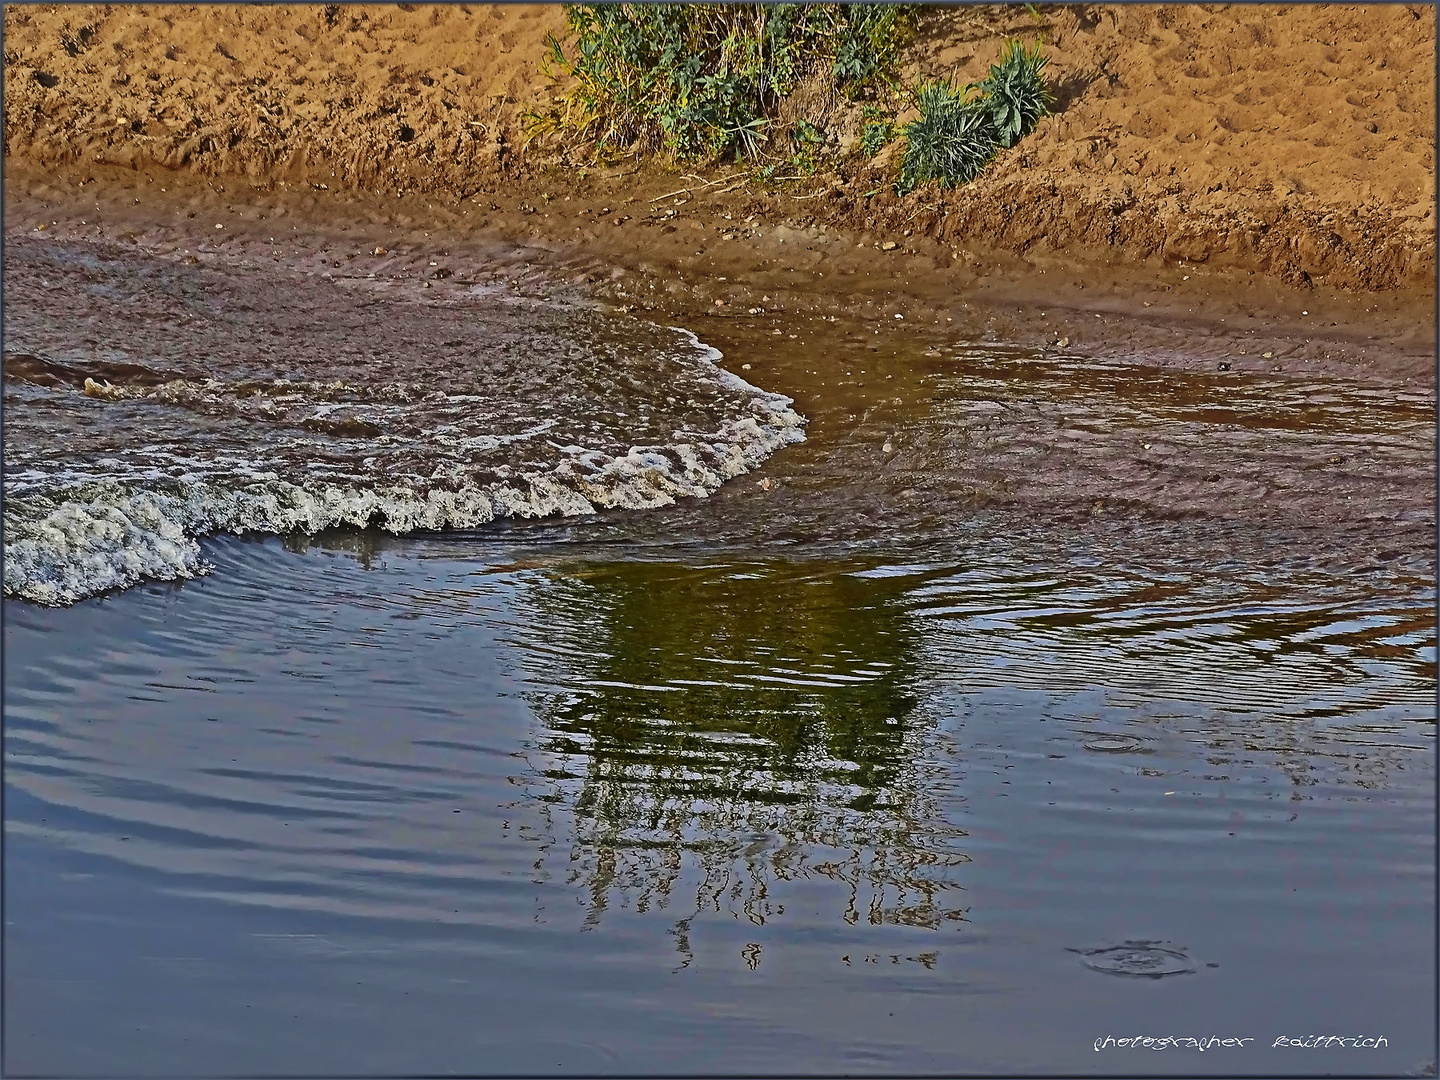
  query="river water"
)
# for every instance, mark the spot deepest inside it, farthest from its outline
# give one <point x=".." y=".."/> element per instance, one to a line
<point x="473" y="678"/>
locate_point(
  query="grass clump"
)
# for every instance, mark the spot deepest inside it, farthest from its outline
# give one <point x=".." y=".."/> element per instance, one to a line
<point x="960" y="129"/>
<point x="705" y="80"/>
<point x="1014" y="92"/>
<point x="951" y="142"/>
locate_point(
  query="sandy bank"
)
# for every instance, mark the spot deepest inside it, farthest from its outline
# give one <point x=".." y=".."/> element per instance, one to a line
<point x="1296" y="143"/>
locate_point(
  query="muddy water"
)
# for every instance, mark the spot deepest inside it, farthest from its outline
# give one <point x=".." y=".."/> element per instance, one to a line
<point x="235" y="402"/>
<point x="1029" y="699"/>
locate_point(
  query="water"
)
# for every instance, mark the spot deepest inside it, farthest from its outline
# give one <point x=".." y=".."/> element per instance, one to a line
<point x="229" y="422"/>
<point x="880" y="760"/>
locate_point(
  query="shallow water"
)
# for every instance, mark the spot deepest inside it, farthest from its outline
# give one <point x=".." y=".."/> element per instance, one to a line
<point x="241" y="403"/>
<point x="898" y="756"/>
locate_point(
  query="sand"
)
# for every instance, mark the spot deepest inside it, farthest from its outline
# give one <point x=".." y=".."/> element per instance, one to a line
<point x="1296" y="143"/>
<point x="1294" y="139"/>
<point x="373" y="96"/>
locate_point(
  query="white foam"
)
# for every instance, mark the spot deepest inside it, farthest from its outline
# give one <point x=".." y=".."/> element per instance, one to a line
<point x="101" y="534"/>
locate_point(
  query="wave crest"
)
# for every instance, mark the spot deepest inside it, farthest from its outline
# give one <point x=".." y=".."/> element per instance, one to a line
<point x="84" y="532"/>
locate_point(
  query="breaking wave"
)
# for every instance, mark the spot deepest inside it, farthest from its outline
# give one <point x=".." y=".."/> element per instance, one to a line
<point x="153" y="462"/>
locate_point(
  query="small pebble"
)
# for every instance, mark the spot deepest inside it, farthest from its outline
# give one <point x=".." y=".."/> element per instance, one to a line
<point x="1268" y="355"/>
<point x="899" y="316"/>
<point x="888" y="245"/>
<point x="381" y="251"/>
<point x="744" y="367"/>
<point x="219" y="226"/>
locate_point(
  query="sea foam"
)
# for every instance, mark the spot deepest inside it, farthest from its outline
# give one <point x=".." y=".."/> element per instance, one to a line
<point x="73" y="532"/>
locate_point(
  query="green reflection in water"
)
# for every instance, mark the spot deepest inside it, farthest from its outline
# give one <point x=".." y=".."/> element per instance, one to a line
<point x="728" y="729"/>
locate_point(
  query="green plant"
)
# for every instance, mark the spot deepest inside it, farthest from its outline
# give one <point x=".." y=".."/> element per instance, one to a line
<point x="873" y="137"/>
<point x="952" y="141"/>
<point x="870" y="39"/>
<point x="808" y="140"/>
<point x="1014" y="92"/>
<point x="747" y="138"/>
<point x="705" y="80"/>
<point x="807" y="134"/>
<point x="960" y="129"/>
<point x="878" y="131"/>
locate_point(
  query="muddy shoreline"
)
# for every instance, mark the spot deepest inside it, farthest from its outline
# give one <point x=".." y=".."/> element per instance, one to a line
<point x="695" y="255"/>
<point x="1189" y="341"/>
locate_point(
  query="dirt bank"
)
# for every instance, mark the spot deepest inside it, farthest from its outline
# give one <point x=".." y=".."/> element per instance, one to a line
<point x="709" y="261"/>
<point x="1296" y="143"/>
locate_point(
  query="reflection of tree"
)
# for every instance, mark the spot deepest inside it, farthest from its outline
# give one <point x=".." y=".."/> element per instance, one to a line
<point x="737" y="728"/>
<point x="364" y="544"/>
